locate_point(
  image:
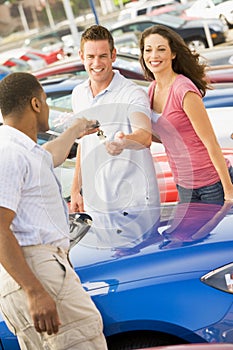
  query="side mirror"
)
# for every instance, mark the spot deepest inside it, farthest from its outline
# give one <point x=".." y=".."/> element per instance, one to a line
<point x="79" y="223"/>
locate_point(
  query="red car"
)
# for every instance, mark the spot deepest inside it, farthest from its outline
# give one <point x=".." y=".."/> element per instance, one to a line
<point x="51" y="49"/>
<point x="167" y="187"/>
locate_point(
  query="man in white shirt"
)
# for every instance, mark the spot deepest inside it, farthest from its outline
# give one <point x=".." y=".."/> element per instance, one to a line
<point x="41" y="297"/>
<point x="115" y="173"/>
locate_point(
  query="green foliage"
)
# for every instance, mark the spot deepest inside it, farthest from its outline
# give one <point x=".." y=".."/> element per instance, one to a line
<point x="117" y="2"/>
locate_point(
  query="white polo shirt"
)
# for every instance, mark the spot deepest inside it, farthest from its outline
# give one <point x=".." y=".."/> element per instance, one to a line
<point x="114" y="183"/>
<point x="29" y="187"/>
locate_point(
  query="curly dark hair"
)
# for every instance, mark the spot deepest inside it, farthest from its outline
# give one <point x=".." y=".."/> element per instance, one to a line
<point x="97" y="32"/>
<point x="185" y="62"/>
<point x="16" y="91"/>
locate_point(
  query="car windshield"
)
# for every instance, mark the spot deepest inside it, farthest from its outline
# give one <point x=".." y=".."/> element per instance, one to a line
<point x="60" y="100"/>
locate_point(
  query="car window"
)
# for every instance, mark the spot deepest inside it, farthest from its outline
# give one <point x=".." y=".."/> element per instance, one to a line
<point x="142" y="12"/>
<point x="60" y="100"/>
<point x="82" y="74"/>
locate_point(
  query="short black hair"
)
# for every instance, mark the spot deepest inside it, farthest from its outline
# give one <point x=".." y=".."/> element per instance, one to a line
<point x="16" y="91"/>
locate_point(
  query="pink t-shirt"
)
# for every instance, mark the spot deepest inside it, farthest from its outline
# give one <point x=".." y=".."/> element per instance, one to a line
<point x="188" y="157"/>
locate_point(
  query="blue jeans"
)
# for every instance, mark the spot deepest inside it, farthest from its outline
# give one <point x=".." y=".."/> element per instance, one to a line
<point x="207" y="194"/>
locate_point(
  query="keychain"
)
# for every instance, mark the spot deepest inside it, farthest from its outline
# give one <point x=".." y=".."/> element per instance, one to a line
<point x="101" y="135"/>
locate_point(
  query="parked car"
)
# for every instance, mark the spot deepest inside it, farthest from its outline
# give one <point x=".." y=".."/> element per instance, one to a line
<point x="193" y="31"/>
<point x="158" y="279"/>
<point x="50" y="49"/>
<point x="212" y="9"/>
<point x="217" y="55"/>
<point x="4" y="71"/>
<point x="175" y="9"/>
<point x="219" y="97"/>
<point x="58" y="33"/>
<point x="127" y="43"/>
<point x="127" y="64"/>
<point x="138" y="8"/>
<point x="17" y="65"/>
<point x="220" y="74"/>
<point x="32" y="57"/>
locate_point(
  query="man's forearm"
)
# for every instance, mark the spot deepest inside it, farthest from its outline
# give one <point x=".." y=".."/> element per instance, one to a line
<point x="60" y="147"/>
<point x="12" y="259"/>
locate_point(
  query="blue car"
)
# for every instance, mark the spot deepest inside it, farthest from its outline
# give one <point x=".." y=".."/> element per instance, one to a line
<point x="4" y="71"/>
<point x="219" y="97"/>
<point x="158" y="277"/>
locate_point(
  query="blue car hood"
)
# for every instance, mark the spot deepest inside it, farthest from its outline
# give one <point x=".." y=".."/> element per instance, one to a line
<point x="129" y="246"/>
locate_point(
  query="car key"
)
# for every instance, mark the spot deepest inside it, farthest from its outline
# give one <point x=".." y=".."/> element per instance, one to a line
<point x="101" y="135"/>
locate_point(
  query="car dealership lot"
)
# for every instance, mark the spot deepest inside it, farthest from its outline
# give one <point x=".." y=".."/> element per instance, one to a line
<point x="165" y="280"/>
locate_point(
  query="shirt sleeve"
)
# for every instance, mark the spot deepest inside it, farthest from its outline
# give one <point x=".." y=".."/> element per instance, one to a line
<point x="12" y="173"/>
<point x="140" y="102"/>
<point x="182" y="87"/>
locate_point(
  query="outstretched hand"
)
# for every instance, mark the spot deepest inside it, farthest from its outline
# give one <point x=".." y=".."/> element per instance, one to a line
<point x="116" y="146"/>
<point x="85" y="126"/>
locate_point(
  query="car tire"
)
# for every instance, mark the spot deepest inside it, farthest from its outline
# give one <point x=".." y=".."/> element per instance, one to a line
<point x="196" y="44"/>
<point x="139" y="341"/>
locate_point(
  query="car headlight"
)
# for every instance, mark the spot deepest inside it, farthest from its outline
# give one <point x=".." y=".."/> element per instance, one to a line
<point x="221" y="278"/>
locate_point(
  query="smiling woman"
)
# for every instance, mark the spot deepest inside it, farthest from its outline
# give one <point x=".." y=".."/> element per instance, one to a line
<point x="180" y="120"/>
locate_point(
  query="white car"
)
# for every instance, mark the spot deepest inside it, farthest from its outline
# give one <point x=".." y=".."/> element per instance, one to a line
<point x="138" y="8"/>
<point x="222" y="9"/>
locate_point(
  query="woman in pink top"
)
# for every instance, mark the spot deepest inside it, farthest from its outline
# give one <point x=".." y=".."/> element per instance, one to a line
<point x="180" y="120"/>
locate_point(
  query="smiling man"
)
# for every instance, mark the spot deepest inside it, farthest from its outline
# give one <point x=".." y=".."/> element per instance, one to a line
<point x="114" y="172"/>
